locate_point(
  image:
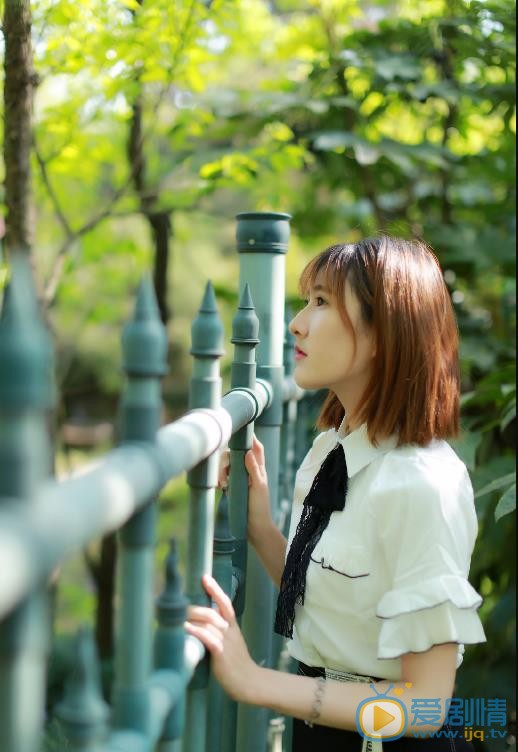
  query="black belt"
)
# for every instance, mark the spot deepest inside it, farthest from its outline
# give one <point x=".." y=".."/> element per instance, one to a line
<point x="305" y="670"/>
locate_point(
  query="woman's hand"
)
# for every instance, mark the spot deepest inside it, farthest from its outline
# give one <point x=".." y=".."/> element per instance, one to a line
<point x="219" y="631"/>
<point x="259" y="513"/>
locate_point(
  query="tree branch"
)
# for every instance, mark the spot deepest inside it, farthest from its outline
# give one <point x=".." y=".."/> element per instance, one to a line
<point x="146" y="198"/>
<point x="51" y="286"/>
<point x="52" y="194"/>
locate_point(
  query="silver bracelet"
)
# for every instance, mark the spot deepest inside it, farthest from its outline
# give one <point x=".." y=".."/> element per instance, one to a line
<point x="317" y="702"/>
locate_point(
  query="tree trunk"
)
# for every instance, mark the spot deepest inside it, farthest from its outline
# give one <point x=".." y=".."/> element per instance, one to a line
<point x="18" y="90"/>
<point x="159" y="221"/>
<point x="161" y="227"/>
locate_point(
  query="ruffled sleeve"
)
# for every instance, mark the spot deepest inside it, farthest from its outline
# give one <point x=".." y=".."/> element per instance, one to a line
<point x="427" y="528"/>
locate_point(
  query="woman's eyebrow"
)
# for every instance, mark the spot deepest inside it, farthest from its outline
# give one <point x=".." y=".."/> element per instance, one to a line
<point x="321" y="288"/>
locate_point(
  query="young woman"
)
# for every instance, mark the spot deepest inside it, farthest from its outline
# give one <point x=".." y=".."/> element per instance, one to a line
<point x="373" y="588"/>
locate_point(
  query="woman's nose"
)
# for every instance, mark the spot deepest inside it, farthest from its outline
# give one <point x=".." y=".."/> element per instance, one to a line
<point x="296" y="325"/>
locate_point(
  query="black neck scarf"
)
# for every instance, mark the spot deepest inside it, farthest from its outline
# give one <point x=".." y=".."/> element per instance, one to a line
<point x="327" y="494"/>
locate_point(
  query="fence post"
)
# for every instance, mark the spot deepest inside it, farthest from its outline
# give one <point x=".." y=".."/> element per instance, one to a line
<point x="219" y="704"/>
<point x="289" y="422"/>
<point x="262" y="242"/>
<point x="144" y="346"/>
<point x="245" y="329"/>
<point x="289" y="415"/>
<point x="205" y="391"/>
<point x="171" y="607"/>
<point x="25" y="397"/>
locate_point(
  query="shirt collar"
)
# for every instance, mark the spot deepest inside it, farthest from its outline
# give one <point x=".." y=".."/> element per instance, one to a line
<point x="358" y="450"/>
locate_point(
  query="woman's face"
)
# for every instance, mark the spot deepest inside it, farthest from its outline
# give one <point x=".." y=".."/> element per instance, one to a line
<point x="325" y="356"/>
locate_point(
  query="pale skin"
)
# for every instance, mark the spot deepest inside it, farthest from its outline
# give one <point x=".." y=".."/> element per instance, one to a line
<point x="429" y="674"/>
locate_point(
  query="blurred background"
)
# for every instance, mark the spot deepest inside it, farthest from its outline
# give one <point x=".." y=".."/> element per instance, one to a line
<point x="155" y="122"/>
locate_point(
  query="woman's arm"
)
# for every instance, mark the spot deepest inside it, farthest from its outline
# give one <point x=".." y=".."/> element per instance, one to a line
<point x="430" y="674"/>
<point x="263" y="534"/>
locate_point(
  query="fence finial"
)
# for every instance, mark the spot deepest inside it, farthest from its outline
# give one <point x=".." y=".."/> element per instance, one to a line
<point x="26" y="362"/>
<point x="171" y="604"/>
<point x="207" y="329"/>
<point x="223" y="538"/>
<point x="245" y="324"/>
<point x="171" y="609"/>
<point x="83" y="712"/>
<point x="144" y="340"/>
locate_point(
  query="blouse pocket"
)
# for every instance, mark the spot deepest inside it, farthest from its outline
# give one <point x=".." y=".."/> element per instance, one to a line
<point x="339" y="579"/>
<point x="352" y="562"/>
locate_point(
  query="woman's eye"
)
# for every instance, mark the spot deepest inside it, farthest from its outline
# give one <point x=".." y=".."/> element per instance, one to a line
<point x="317" y="300"/>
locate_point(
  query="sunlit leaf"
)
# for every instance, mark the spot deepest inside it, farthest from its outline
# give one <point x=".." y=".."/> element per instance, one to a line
<point x="495" y="485"/>
<point x="507" y="503"/>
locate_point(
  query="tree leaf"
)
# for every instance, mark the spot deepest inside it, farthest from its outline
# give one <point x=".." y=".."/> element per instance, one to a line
<point x="508" y="416"/>
<point x="466" y="447"/>
<point x="506" y="503"/>
<point x="501" y="482"/>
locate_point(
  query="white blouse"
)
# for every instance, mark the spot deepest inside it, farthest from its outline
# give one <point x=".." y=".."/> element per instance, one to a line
<point x="389" y="573"/>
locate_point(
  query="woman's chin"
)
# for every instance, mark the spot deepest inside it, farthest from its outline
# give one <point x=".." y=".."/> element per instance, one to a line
<point x="305" y="383"/>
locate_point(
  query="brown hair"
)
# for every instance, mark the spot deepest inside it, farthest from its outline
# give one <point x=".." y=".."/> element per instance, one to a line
<point x="414" y="389"/>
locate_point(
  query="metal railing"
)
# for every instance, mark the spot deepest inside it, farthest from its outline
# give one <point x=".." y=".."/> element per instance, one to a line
<point x="163" y="696"/>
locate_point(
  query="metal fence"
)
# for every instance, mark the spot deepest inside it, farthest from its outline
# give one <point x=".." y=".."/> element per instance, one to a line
<point x="163" y="696"/>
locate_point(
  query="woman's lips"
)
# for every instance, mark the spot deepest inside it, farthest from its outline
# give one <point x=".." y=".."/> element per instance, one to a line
<point x="299" y="354"/>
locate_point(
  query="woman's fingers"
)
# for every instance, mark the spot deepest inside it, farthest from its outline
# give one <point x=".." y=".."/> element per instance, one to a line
<point x="251" y="462"/>
<point x="212" y="642"/>
<point x="254" y="463"/>
<point x="219" y="597"/>
<point x="207" y="615"/>
<point x="258" y="450"/>
<point x="255" y="467"/>
<point x="224" y="468"/>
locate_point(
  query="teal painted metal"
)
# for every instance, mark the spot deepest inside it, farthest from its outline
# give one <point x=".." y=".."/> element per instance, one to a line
<point x="289" y="413"/>
<point x="39" y="527"/>
<point x="171" y="609"/>
<point x="286" y="485"/>
<point x="25" y="396"/>
<point x="83" y="713"/>
<point x="219" y="705"/>
<point x="262" y="240"/>
<point x="205" y="392"/>
<point x="289" y="420"/>
<point x="263" y="231"/>
<point x="144" y="345"/>
<point x="107" y="494"/>
<point x="245" y="331"/>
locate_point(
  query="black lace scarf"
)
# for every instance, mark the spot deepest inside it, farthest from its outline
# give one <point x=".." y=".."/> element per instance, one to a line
<point x="327" y="494"/>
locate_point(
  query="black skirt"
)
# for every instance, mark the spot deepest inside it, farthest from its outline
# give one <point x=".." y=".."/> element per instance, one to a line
<point x="308" y="739"/>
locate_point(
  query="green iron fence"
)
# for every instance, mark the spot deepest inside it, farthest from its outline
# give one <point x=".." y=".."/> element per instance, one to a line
<point x="163" y="696"/>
